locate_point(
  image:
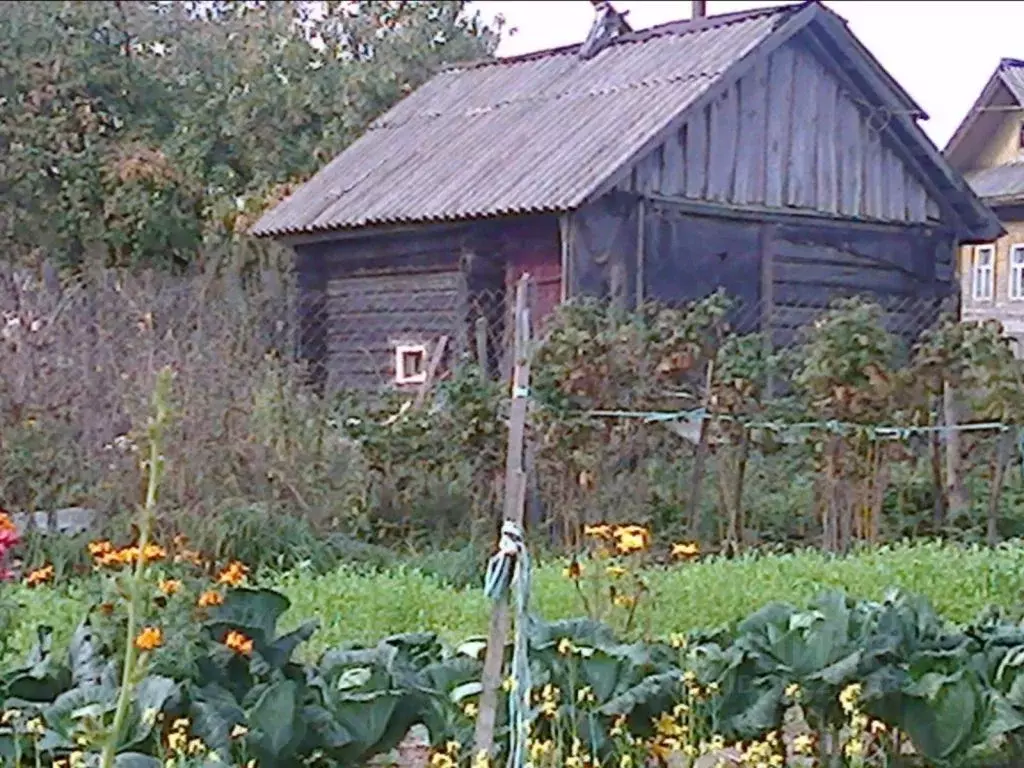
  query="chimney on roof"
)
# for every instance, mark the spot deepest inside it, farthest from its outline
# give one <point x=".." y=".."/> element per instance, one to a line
<point x="608" y="24"/>
<point x="698" y="8"/>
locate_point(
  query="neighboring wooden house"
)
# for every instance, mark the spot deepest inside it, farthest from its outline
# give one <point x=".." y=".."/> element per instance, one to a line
<point x="766" y="152"/>
<point x="988" y="148"/>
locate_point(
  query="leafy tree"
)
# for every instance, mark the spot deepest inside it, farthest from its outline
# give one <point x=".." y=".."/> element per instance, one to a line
<point x="132" y="133"/>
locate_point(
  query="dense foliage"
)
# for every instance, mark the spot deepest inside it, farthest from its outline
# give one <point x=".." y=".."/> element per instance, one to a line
<point x="135" y="133"/>
<point x="853" y="683"/>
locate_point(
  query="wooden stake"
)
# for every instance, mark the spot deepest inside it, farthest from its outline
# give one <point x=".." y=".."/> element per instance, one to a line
<point x="515" y="496"/>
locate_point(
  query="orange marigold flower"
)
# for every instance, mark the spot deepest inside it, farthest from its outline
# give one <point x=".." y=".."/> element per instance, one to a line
<point x="686" y="549"/>
<point x="6" y="524"/>
<point x="631" y="538"/>
<point x="238" y="643"/>
<point x="601" y="531"/>
<point x="234" y="574"/>
<point x="39" y="576"/>
<point x="149" y="639"/>
<point x="188" y="556"/>
<point x="210" y="597"/>
<point x="154" y="552"/>
<point x="170" y="586"/>
<point x="99" y="549"/>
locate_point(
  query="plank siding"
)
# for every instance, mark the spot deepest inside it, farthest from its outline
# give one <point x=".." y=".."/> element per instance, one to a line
<point x="788" y="135"/>
<point x="812" y="267"/>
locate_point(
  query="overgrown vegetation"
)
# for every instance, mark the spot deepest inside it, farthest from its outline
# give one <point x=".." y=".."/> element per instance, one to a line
<point x="264" y="470"/>
<point x="149" y="134"/>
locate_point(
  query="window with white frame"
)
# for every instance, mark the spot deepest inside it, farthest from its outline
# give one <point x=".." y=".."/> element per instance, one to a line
<point x="983" y="272"/>
<point x="410" y="364"/>
<point x="1017" y="271"/>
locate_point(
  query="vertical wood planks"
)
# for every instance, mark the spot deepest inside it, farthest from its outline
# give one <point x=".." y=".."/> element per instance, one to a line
<point x="723" y="143"/>
<point x="751" y="155"/>
<point x="697" y="155"/>
<point x="827" y="155"/>
<point x="780" y="92"/>
<point x="800" y="177"/>
<point x="673" y="169"/>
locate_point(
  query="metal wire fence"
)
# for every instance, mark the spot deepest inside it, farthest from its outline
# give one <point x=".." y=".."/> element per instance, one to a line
<point x="78" y="356"/>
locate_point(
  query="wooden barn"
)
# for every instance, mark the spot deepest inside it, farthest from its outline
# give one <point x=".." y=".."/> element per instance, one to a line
<point x="766" y="152"/>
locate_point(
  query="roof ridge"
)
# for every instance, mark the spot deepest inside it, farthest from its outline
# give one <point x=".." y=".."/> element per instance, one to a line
<point x="1009" y="62"/>
<point x="566" y="93"/>
<point x="677" y="28"/>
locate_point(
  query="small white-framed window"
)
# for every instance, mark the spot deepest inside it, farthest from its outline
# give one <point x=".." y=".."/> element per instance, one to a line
<point x="1017" y="271"/>
<point x="983" y="272"/>
<point x="410" y="364"/>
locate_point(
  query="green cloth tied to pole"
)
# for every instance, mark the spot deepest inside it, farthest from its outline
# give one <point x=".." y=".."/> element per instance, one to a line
<point x="508" y="573"/>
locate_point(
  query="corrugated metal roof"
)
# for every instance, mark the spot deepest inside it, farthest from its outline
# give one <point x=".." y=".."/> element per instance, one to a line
<point x="1000" y="182"/>
<point x="530" y="134"/>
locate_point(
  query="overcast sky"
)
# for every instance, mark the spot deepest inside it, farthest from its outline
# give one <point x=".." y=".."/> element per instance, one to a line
<point x="942" y="52"/>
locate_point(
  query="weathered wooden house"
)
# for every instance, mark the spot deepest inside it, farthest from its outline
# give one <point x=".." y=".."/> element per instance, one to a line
<point x="766" y="152"/>
<point x="988" y="148"/>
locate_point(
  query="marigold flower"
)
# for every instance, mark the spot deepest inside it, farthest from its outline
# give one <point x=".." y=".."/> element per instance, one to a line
<point x="210" y="597"/>
<point x="238" y="643"/>
<point x="615" y="571"/>
<point x="602" y="531"/>
<point x="686" y="550"/>
<point x="6" y="524"/>
<point x="189" y="556"/>
<point x="625" y="601"/>
<point x="233" y="575"/>
<point x="170" y="586"/>
<point x="149" y="639"/>
<point x="39" y="576"/>
<point x="100" y="548"/>
<point x="631" y="538"/>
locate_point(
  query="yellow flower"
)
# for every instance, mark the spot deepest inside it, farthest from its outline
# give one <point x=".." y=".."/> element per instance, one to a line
<point x="470" y="710"/>
<point x="10" y="716"/>
<point x="233" y="575"/>
<point x="574" y="570"/>
<point x="482" y="759"/>
<point x="189" y="556"/>
<point x="170" y="586"/>
<point x="631" y="538"/>
<point x="585" y="695"/>
<point x="209" y="598"/>
<point x="686" y="550"/>
<point x="39" y="576"/>
<point x="565" y="647"/>
<point x="853" y="748"/>
<point x="100" y="548"/>
<point x="149" y="639"/>
<point x="35" y="727"/>
<point x="625" y="601"/>
<point x="238" y="643"/>
<point x="849" y="696"/>
<point x="196" y="747"/>
<point x="677" y="640"/>
<point x="793" y="691"/>
<point x="803" y="744"/>
<point x="615" y="571"/>
<point x="239" y="731"/>
<point x="601" y="531"/>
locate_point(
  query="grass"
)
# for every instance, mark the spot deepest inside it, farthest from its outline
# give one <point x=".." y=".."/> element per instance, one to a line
<point x="354" y="605"/>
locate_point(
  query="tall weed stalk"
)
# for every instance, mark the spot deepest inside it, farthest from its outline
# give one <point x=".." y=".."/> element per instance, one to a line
<point x="147" y="512"/>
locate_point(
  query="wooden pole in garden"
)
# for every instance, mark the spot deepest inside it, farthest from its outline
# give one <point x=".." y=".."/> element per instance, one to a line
<point x="515" y="497"/>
